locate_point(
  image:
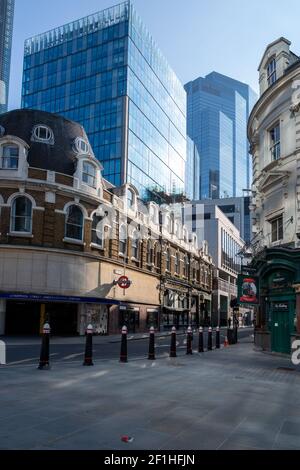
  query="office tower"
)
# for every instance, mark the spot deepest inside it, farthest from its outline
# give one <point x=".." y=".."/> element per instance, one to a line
<point x="218" y="108"/>
<point x="192" y="170"/>
<point x="106" y="72"/>
<point x="6" y="31"/>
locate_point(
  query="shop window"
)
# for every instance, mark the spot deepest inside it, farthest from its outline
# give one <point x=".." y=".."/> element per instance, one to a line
<point x="152" y="319"/>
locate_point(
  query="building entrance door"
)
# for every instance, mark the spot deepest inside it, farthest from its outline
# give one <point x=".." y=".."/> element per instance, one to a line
<point x="280" y="327"/>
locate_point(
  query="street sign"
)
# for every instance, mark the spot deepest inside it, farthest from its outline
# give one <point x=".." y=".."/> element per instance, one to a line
<point x="124" y="282"/>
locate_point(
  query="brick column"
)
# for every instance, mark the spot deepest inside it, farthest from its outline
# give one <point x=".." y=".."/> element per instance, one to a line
<point x="297" y="290"/>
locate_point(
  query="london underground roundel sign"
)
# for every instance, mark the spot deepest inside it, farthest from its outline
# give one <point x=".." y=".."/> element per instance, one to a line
<point x="124" y="282"/>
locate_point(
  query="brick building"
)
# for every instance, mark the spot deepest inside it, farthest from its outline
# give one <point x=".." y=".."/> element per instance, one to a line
<point x="67" y="236"/>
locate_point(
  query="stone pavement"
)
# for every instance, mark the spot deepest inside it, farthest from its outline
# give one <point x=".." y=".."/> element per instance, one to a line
<point x="234" y="398"/>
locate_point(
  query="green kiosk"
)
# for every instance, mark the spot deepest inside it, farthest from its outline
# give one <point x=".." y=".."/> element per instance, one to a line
<point x="272" y="283"/>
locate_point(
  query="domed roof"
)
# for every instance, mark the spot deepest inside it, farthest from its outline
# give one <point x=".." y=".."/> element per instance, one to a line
<point x="56" y="152"/>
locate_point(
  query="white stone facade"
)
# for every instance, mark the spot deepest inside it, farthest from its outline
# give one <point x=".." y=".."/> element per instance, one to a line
<point x="276" y="175"/>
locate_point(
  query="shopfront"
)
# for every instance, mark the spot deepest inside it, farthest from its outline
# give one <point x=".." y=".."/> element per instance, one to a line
<point x="278" y="312"/>
<point x="25" y="314"/>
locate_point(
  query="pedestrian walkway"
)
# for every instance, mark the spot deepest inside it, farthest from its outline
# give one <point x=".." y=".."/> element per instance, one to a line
<point x="234" y="398"/>
<point x="100" y="339"/>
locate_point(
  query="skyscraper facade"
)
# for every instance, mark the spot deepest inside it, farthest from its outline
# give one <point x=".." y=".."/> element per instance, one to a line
<point x="218" y="108"/>
<point x="192" y="170"/>
<point x="6" y="31"/>
<point x="106" y="72"/>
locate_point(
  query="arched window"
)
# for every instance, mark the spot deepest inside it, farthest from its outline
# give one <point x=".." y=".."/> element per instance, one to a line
<point x="149" y="252"/>
<point x="156" y="255"/>
<point x="89" y="174"/>
<point x="135" y="245"/>
<point x="168" y="223"/>
<point x="74" y="223"/>
<point x="154" y="214"/>
<point x="168" y="260"/>
<point x="98" y="230"/>
<point x="186" y="266"/>
<point x="130" y="198"/>
<point x="10" y="157"/>
<point x="21" y="219"/>
<point x="177" y="263"/>
<point x="123" y="239"/>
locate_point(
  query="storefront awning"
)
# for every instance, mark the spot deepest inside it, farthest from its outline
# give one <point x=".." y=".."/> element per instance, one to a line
<point x="58" y="298"/>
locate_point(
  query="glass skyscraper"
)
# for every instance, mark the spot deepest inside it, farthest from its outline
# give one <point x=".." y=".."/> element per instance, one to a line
<point x="106" y="72"/>
<point x="192" y="171"/>
<point x="6" y="30"/>
<point x="218" y="108"/>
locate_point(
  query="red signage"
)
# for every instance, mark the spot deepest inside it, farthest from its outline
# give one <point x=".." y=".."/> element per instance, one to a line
<point x="247" y="289"/>
<point x="124" y="282"/>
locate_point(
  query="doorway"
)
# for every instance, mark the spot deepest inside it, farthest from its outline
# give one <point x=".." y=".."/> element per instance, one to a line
<point x="280" y="327"/>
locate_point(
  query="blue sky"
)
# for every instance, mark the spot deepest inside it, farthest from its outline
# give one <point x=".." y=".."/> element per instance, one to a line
<point x="196" y="36"/>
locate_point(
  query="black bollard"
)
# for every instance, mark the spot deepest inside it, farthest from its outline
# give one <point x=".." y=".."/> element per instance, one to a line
<point x="151" y="355"/>
<point x="88" y="355"/>
<point x="123" y="354"/>
<point x="173" y="343"/>
<point x="189" y="349"/>
<point x="209" y="339"/>
<point x="218" y="337"/>
<point x="235" y="335"/>
<point x="44" y="355"/>
<point x="200" y="347"/>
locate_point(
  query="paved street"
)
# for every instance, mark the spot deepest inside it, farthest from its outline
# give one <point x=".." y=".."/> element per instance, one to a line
<point x="233" y="398"/>
<point x="24" y="350"/>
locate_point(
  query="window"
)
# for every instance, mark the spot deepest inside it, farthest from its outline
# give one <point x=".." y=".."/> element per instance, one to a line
<point x="123" y="240"/>
<point x="277" y="229"/>
<point x="89" y="174"/>
<point x="275" y="142"/>
<point x="97" y="230"/>
<point x="177" y="263"/>
<point x="81" y="146"/>
<point x="10" y="157"/>
<point x="271" y="72"/>
<point x="149" y="252"/>
<point x="154" y="214"/>
<point x="21" y="215"/>
<point x="135" y="245"/>
<point x="186" y="266"/>
<point x="130" y="198"/>
<point x="74" y="223"/>
<point x="168" y="260"/>
<point x="44" y="134"/>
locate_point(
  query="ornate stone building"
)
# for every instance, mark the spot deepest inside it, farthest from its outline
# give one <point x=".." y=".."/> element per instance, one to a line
<point x="274" y="134"/>
<point x="67" y="236"/>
